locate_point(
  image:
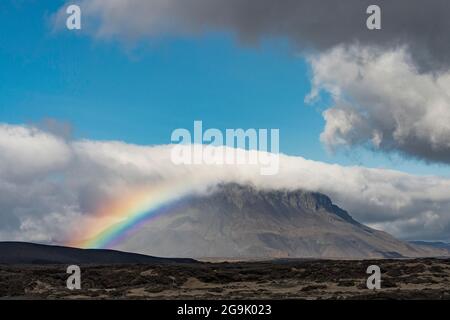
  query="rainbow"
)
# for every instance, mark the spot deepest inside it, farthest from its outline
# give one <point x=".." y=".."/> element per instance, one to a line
<point x="117" y="220"/>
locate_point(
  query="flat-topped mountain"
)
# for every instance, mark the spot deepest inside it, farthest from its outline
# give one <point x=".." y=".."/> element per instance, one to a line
<point x="241" y="221"/>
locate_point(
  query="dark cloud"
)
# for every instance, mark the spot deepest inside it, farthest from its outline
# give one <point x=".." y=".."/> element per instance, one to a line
<point x="310" y="24"/>
<point x="57" y="127"/>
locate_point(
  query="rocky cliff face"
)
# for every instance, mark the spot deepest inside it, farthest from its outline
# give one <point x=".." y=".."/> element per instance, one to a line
<point x="244" y="222"/>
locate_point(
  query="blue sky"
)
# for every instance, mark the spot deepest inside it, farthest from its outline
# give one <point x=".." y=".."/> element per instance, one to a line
<point x="106" y="90"/>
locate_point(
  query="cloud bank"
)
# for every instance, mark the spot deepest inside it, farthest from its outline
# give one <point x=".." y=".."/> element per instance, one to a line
<point x="49" y="187"/>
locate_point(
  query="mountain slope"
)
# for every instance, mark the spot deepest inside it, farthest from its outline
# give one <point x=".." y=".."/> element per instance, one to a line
<point x="243" y="222"/>
<point x="30" y="253"/>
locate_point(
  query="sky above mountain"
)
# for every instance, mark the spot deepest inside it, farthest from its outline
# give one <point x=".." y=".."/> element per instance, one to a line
<point x="339" y="93"/>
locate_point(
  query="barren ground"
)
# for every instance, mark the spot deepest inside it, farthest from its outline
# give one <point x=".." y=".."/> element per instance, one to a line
<point x="291" y="279"/>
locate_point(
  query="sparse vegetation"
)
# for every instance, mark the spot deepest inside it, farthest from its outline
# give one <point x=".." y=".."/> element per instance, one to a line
<point x="298" y="279"/>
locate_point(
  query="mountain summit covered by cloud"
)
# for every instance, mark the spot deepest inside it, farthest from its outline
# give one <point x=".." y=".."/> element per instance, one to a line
<point x="309" y="24"/>
<point x="314" y="73"/>
<point x="50" y="187"/>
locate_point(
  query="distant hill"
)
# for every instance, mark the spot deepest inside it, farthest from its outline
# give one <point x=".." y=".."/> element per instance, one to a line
<point x="30" y="253"/>
<point x="433" y="244"/>
<point x="242" y="221"/>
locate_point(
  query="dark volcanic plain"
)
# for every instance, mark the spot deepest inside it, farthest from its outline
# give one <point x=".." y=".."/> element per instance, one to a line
<point x="284" y="279"/>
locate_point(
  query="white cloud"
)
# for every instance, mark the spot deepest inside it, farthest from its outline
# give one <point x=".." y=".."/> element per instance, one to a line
<point x="69" y="180"/>
<point x="22" y="156"/>
<point x="382" y="101"/>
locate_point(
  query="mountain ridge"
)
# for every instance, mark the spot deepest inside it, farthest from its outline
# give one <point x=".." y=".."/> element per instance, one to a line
<point x="238" y="222"/>
<point x="235" y="220"/>
<point x="433" y="244"/>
